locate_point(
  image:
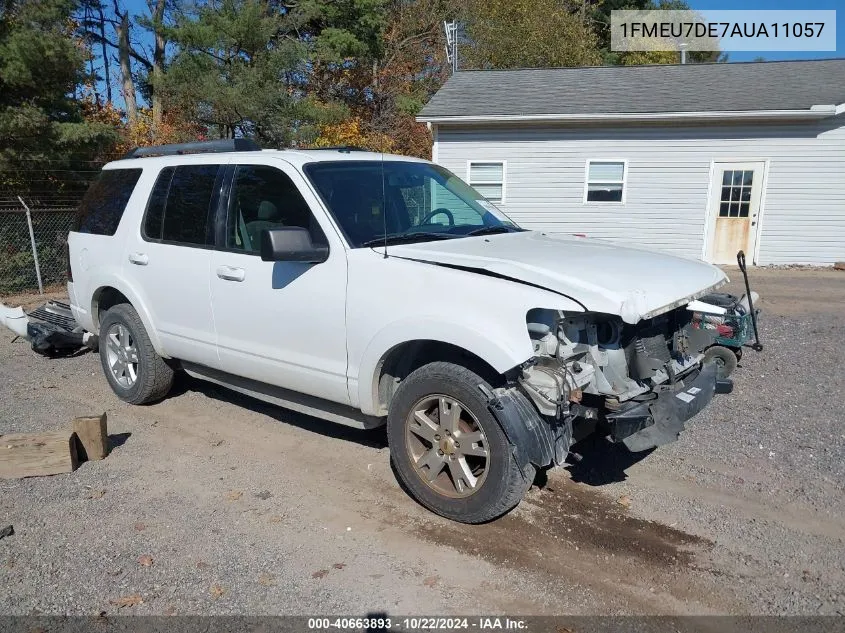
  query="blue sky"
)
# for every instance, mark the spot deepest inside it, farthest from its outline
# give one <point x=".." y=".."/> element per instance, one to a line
<point x="139" y="6"/>
<point x="804" y="5"/>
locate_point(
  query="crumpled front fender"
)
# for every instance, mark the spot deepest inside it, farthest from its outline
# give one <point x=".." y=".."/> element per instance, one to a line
<point x="535" y="439"/>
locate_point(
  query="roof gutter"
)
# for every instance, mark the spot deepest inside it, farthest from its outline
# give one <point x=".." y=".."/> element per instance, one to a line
<point x="814" y="113"/>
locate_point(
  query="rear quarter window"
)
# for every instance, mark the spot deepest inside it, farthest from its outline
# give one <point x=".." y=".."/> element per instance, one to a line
<point x="105" y="201"/>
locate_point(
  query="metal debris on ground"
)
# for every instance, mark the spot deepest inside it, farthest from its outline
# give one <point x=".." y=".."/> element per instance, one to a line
<point x="51" y="329"/>
<point x="7" y="531"/>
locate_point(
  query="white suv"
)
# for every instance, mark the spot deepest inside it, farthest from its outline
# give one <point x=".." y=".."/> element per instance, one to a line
<point x="365" y="288"/>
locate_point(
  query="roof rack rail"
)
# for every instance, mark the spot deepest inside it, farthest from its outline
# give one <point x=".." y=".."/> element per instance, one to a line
<point x="343" y="148"/>
<point x="199" y="147"/>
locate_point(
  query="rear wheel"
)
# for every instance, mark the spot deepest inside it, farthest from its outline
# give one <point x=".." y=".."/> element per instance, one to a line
<point x="136" y="373"/>
<point x="448" y="449"/>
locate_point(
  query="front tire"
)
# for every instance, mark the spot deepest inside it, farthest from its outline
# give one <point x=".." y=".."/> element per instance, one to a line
<point x="136" y="373"/>
<point x="448" y="449"/>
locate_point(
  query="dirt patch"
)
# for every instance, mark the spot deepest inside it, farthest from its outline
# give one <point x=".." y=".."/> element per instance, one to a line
<point x="583" y="517"/>
<point x="569" y="530"/>
<point x="792" y="291"/>
<point x="572" y="516"/>
<point x="30" y="301"/>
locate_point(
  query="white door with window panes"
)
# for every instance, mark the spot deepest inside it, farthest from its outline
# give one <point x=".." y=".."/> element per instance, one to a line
<point x="736" y="191"/>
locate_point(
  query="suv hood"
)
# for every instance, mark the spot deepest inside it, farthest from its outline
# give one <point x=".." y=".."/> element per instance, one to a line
<point x="630" y="282"/>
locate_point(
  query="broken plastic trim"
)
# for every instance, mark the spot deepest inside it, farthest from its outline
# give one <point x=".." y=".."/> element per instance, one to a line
<point x="535" y="440"/>
<point x="51" y="340"/>
<point x="645" y="425"/>
<point x="14" y="318"/>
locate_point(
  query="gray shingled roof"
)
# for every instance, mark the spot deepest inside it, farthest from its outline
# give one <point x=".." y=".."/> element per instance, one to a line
<point x="792" y="85"/>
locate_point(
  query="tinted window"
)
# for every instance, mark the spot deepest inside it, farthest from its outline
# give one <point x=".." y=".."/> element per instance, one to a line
<point x="154" y="218"/>
<point x="265" y="198"/>
<point x="401" y="198"/>
<point x="180" y="205"/>
<point x="104" y="202"/>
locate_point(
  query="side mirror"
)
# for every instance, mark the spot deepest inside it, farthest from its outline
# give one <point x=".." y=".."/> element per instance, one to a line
<point x="291" y="244"/>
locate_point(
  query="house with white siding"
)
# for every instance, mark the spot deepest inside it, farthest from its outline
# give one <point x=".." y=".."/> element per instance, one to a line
<point x="698" y="159"/>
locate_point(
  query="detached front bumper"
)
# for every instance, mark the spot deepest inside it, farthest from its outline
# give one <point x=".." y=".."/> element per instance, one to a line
<point x="644" y="425"/>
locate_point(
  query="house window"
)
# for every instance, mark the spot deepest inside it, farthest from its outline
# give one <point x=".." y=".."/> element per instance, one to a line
<point x="605" y="181"/>
<point x="488" y="179"/>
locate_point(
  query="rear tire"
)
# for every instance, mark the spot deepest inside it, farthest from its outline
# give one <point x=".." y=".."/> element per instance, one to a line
<point x="135" y="372"/>
<point x="457" y="462"/>
<point x="725" y="359"/>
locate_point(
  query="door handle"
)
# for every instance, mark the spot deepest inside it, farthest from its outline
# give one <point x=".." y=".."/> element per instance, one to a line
<point x="140" y="259"/>
<point x="230" y="273"/>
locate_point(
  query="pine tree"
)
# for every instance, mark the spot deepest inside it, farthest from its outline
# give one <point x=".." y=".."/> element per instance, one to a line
<point x="42" y="128"/>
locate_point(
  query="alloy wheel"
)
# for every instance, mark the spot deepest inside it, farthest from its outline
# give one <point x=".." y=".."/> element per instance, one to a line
<point x="122" y="355"/>
<point x="447" y="446"/>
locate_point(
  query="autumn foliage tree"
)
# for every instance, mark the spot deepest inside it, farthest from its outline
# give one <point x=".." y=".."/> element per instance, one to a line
<point x="528" y="34"/>
<point x="82" y="81"/>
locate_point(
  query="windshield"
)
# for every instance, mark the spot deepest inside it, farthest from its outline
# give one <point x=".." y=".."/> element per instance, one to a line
<point x="408" y="201"/>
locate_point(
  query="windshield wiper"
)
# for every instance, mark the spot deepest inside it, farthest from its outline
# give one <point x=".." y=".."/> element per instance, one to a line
<point x="406" y="238"/>
<point x="492" y="230"/>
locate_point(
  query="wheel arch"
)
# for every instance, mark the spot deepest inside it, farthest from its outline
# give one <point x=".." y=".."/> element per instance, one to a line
<point x="389" y="359"/>
<point x="115" y="292"/>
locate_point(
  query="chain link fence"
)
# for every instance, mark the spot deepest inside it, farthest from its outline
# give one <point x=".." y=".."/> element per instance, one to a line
<point x="23" y="269"/>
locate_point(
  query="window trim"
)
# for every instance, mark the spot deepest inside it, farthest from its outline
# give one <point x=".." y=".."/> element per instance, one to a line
<point x="503" y="182"/>
<point x="624" y="181"/>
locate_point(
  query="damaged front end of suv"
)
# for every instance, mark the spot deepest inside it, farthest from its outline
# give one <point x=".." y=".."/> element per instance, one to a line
<point x="636" y="384"/>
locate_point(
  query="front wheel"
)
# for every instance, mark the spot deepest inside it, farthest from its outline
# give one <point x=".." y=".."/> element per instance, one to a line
<point x="448" y="449"/>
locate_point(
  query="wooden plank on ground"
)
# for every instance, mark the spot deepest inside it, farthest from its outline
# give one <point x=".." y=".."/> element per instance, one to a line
<point x="37" y="454"/>
<point x="93" y="437"/>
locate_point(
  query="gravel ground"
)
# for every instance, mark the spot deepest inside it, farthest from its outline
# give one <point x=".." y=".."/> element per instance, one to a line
<point x="215" y="503"/>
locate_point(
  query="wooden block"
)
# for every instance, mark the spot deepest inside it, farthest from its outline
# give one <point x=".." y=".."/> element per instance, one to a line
<point x="37" y="454"/>
<point x="93" y="437"/>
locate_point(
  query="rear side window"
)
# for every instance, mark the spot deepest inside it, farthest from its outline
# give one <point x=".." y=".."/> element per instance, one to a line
<point x="104" y="202"/>
<point x="180" y="205"/>
<point x="155" y="207"/>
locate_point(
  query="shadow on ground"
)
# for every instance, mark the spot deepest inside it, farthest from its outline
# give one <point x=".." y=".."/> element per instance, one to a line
<point x="374" y="438"/>
<point x="602" y="462"/>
